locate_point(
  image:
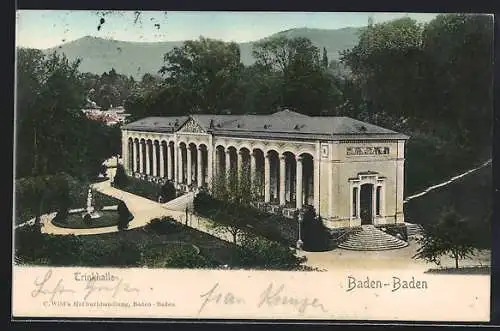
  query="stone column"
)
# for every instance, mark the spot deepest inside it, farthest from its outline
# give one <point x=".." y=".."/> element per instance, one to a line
<point x="358" y="203"/>
<point x="316" y="174"/>
<point x="162" y="160"/>
<point x="253" y="168"/>
<point x="148" y="161"/>
<point x="382" y="200"/>
<point x="298" y="186"/>
<point x="189" y="165"/>
<point x="210" y="160"/>
<point x="155" y="160"/>
<point x="399" y="215"/>
<point x="169" y="161"/>
<point x="400" y="191"/>
<point x="135" y="168"/>
<point x="239" y="170"/>
<point x="179" y="165"/>
<point x="228" y="161"/>
<point x="141" y="157"/>
<point x="267" y="179"/>
<point x="282" y="180"/>
<point x="124" y="152"/>
<point x="374" y="202"/>
<point x="351" y="193"/>
<point x="199" y="163"/>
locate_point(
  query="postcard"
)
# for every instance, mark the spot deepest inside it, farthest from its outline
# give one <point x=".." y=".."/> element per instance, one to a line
<point x="253" y="165"/>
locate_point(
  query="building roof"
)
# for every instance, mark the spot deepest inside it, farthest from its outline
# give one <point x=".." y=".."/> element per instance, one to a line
<point x="282" y="124"/>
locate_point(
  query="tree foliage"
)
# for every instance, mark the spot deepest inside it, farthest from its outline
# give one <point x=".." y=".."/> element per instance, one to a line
<point x="206" y="72"/>
<point x="451" y="236"/>
<point x="52" y="134"/>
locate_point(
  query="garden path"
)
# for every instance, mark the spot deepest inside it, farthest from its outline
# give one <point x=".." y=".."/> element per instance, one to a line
<point x="143" y="210"/>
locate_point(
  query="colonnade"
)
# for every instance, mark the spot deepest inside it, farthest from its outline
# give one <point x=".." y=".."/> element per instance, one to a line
<point x="283" y="178"/>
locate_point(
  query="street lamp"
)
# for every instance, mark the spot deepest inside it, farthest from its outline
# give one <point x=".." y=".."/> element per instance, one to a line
<point x="300" y="243"/>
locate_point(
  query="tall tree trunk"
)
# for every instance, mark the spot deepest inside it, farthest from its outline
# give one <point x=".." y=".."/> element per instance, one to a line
<point x="456" y="261"/>
<point x="235" y="237"/>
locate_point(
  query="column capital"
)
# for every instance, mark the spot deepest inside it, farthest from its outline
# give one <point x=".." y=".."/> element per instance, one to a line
<point x="299" y="158"/>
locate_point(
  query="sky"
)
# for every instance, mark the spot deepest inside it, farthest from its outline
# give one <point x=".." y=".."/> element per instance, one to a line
<point x="47" y="28"/>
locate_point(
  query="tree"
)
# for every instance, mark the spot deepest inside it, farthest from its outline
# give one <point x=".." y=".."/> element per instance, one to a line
<point x="53" y="135"/>
<point x="386" y="64"/>
<point x="120" y="179"/>
<point x="324" y="59"/>
<point x="228" y="220"/>
<point x="168" y="192"/>
<point x="459" y="49"/>
<point x="124" y="216"/>
<point x="306" y="85"/>
<point x="204" y="71"/>
<point x="313" y="233"/>
<point x="451" y="235"/>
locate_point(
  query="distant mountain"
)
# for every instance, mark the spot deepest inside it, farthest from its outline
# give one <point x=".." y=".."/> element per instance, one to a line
<point x="137" y="58"/>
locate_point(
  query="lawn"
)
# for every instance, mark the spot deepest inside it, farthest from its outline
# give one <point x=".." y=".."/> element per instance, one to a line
<point x="135" y="247"/>
<point x="216" y="251"/>
<point x="178" y="246"/>
<point x="75" y="221"/>
<point x="143" y="188"/>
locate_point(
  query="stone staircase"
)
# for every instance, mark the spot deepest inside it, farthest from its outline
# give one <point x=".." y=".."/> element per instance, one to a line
<point x="371" y="239"/>
<point x="180" y="203"/>
<point x="414" y="230"/>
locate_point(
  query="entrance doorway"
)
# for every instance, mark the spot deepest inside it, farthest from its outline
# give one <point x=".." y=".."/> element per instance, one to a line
<point x="366" y="204"/>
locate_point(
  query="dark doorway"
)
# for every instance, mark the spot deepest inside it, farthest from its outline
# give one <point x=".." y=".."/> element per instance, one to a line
<point x="366" y="204"/>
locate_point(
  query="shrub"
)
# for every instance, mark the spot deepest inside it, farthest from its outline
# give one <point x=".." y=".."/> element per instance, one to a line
<point x="87" y="219"/>
<point x="168" y="192"/>
<point x="117" y="252"/>
<point x="62" y="250"/>
<point x="63" y="213"/>
<point x="203" y="203"/>
<point x="262" y="253"/>
<point x="33" y="247"/>
<point x="120" y="179"/>
<point x="164" y="225"/>
<point x="186" y="258"/>
<point x="29" y="246"/>
<point x="313" y="232"/>
<point x="124" y="216"/>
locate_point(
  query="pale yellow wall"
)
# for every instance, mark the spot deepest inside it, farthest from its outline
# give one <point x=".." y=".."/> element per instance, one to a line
<point x="348" y="166"/>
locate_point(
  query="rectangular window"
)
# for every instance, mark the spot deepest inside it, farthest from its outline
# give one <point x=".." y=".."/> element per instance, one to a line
<point x="354" y="202"/>
<point x="378" y="200"/>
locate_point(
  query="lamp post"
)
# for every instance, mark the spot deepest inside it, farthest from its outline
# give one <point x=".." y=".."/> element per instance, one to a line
<point x="300" y="243"/>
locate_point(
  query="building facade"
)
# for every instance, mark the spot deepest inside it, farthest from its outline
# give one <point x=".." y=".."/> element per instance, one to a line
<point x="351" y="172"/>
